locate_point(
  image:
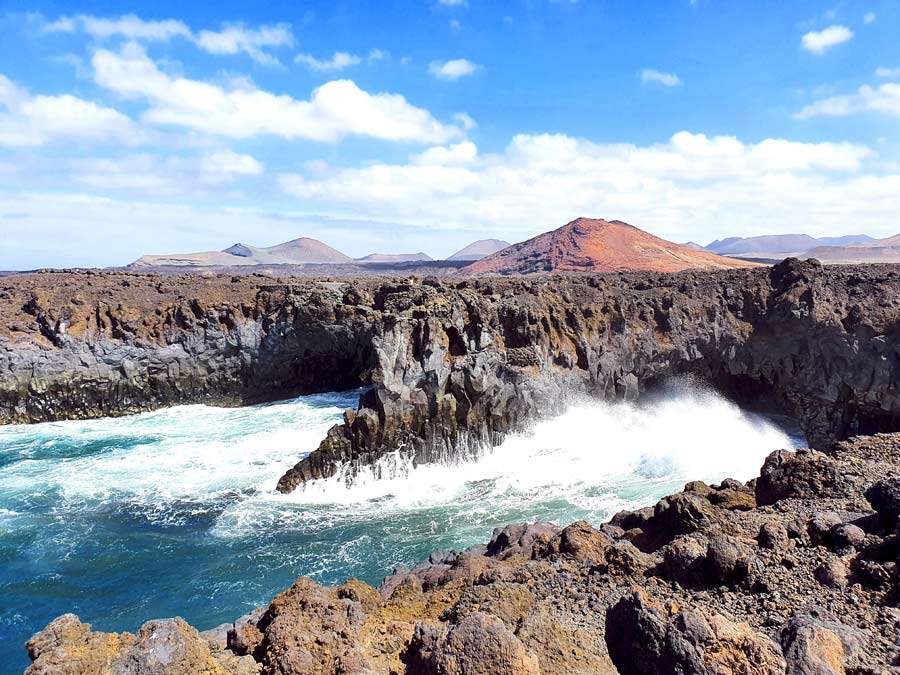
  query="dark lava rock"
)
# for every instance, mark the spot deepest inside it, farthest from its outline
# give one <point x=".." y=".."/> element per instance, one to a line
<point x="801" y="474"/>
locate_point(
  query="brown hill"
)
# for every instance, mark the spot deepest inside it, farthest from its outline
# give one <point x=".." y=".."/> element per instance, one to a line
<point x="590" y="245"/>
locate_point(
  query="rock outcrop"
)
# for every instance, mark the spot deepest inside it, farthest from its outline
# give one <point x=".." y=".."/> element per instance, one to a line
<point x="453" y="365"/>
<point x="691" y="585"/>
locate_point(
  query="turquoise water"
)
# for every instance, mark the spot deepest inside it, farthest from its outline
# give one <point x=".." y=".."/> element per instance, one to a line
<point x="174" y="512"/>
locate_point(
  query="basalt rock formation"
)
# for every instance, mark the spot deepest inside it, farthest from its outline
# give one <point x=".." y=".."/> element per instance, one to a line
<point x="794" y="572"/>
<point x="452" y="365"/>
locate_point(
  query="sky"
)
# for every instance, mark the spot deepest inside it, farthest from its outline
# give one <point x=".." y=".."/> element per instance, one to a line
<point x="131" y="128"/>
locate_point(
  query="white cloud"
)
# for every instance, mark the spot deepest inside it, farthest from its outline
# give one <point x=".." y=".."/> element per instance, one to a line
<point x="818" y="42"/>
<point x="154" y="175"/>
<point x="692" y="185"/>
<point x="460" y="153"/>
<point x="882" y="99"/>
<point x="336" y="109"/>
<point x="231" y="39"/>
<point x="869" y="18"/>
<point x="377" y="55"/>
<point x="465" y="120"/>
<point x="453" y="69"/>
<point x="887" y="72"/>
<point x="338" y="61"/>
<point x="127" y="26"/>
<point x="665" y="79"/>
<point x="237" y="38"/>
<point x="28" y="120"/>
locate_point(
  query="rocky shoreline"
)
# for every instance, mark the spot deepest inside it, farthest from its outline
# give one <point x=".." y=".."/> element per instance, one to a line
<point x="452" y="365"/>
<point x="793" y="572"/>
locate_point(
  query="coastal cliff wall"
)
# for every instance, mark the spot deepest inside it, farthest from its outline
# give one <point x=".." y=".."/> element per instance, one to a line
<point x="452" y="364"/>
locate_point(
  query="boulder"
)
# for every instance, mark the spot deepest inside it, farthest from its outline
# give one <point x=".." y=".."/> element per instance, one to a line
<point x="800" y="474"/>
<point x="728" y="560"/>
<point x="479" y="644"/>
<point x="773" y="535"/>
<point x="644" y="639"/>
<point x="885" y="499"/>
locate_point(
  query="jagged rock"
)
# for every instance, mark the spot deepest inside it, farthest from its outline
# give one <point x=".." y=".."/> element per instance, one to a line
<point x="773" y="535"/>
<point x="801" y="474"/>
<point x="478" y="645"/>
<point x="161" y="647"/>
<point x="833" y="572"/>
<point x="643" y="639"/>
<point x="518" y="540"/>
<point x="453" y="365"/>
<point x="818" y="647"/>
<point x="682" y="513"/>
<point x="885" y="499"/>
<point x="684" y="560"/>
<point x="68" y="647"/>
<point x="848" y="535"/>
<point x="582" y="543"/>
<point x="311" y="630"/>
<point x="821" y="526"/>
<point x="728" y="559"/>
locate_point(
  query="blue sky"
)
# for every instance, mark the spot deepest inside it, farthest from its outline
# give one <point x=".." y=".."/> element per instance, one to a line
<point x="132" y="128"/>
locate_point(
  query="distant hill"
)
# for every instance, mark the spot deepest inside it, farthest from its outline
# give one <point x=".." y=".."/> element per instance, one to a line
<point x="296" y="252"/>
<point x="479" y="249"/>
<point x="692" y="244"/>
<point x="875" y="250"/>
<point x="394" y="258"/>
<point x="778" y="246"/>
<point x="590" y="245"/>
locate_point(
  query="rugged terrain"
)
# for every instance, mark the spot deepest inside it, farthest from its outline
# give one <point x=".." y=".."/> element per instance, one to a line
<point x="592" y="245"/>
<point x="795" y="572"/>
<point x="453" y="366"/>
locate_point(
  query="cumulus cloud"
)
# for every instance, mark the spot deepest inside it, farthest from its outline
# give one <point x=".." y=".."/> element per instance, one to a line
<point x="231" y="39"/>
<point x="887" y="72"/>
<point x="666" y="79"/>
<point x="452" y="70"/>
<point x="691" y="185"/>
<point x="819" y="42"/>
<point x="338" y="61"/>
<point x="336" y="109"/>
<point x="29" y="119"/>
<point x="883" y="99"/>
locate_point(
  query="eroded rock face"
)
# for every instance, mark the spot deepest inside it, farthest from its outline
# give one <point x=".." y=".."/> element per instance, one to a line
<point x="746" y="591"/>
<point x="453" y="365"/>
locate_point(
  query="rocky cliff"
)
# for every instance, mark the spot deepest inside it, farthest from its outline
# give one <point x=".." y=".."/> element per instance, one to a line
<point x="452" y="365"/>
<point x="795" y="572"/>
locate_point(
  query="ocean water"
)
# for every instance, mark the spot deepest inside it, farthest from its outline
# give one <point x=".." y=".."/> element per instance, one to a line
<point x="174" y="512"/>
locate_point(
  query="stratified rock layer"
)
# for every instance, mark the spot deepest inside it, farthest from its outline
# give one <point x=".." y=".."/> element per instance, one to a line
<point x="701" y="583"/>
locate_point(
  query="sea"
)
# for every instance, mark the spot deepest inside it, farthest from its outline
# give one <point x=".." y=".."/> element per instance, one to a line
<point x="175" y="512"/>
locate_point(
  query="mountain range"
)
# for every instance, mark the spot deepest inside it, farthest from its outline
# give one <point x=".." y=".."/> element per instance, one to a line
<point x="779" y="246"/>
<point x="585" y="245"/>
<point x="303" y="251"/>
